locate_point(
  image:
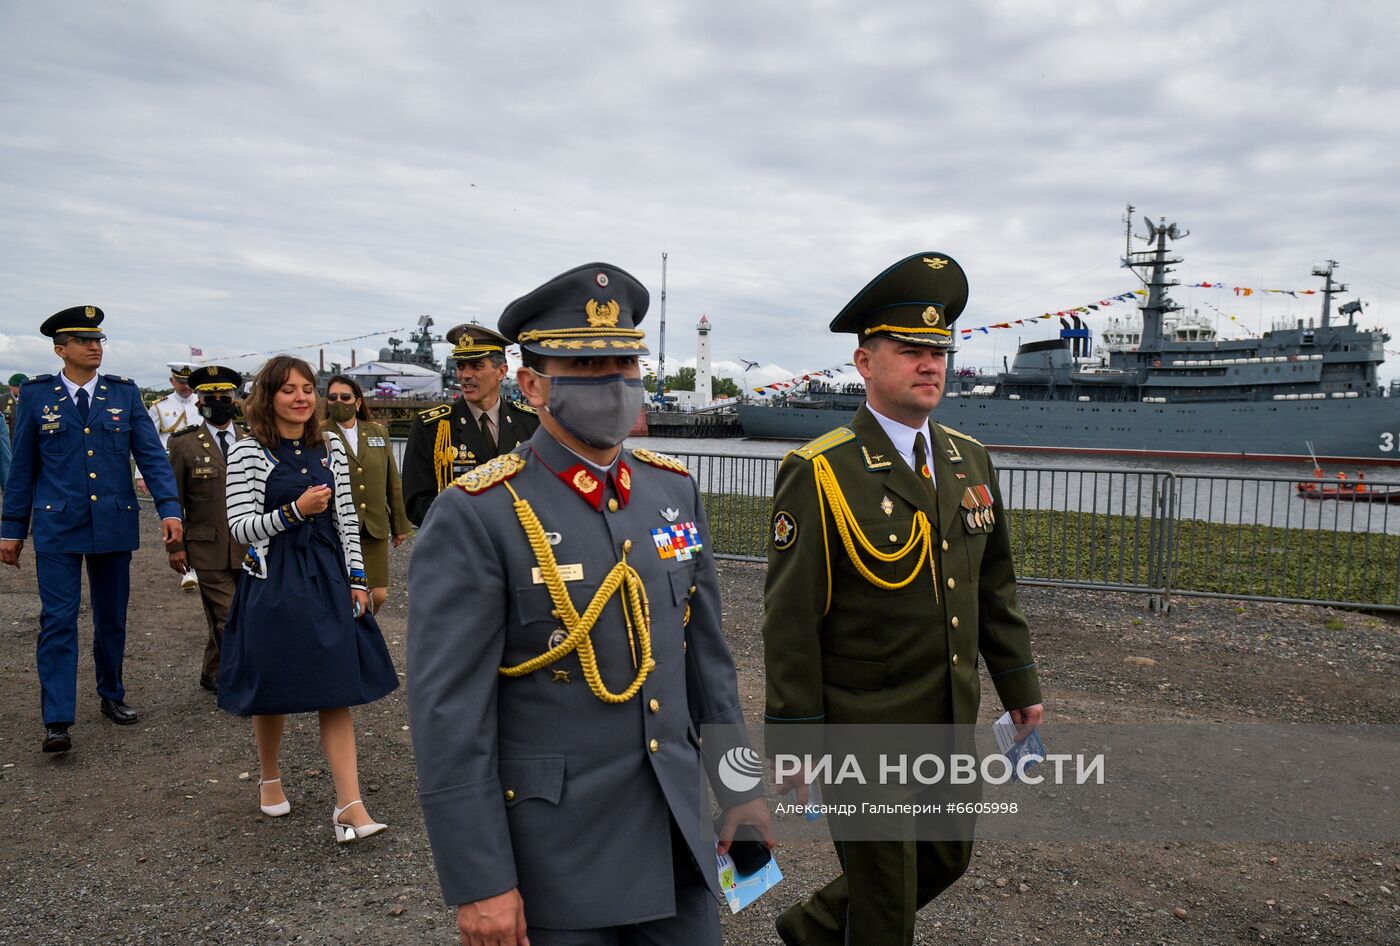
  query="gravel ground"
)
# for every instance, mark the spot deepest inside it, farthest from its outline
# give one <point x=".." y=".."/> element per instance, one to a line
<point x="149" y="834"/>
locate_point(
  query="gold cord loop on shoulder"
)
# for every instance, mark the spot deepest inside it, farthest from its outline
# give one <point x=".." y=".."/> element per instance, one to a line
<point x="920" y="537"/>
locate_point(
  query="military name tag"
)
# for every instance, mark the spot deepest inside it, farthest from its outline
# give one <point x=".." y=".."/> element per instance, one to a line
<point x="54" y="426"/>
<point x="203" y="470"/>
<point x="572" y="572"/>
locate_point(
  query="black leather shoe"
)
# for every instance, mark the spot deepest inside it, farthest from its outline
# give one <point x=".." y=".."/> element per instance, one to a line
<point x="210" y="684"/>
<point x="57" y="740"/>
<point x="118" y="712"/>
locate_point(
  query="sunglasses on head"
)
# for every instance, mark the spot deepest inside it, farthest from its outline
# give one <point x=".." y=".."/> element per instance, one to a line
<point x="340" y="396"/>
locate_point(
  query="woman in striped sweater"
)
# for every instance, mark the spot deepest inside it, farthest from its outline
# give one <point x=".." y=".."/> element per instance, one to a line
<point x="299" y="637"/>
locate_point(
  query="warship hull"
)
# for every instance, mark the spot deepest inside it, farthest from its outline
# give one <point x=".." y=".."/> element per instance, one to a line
<point x="1358" y="430"/>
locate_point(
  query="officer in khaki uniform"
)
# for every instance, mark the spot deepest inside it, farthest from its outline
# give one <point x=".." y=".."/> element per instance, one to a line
<point x="198" y="456"/>
<point x="374" y="481"/>
<point x="564" y="650"/>
<point x="452" y="439"/>
<point x="889" y="572"/>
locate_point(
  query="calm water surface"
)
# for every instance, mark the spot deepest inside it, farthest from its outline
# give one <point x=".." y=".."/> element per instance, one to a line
<point x="1232" y="491"/>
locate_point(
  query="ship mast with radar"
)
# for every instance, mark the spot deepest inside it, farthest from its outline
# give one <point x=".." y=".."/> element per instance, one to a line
<point x="1328" y="288"/>
<point x="1159" y="262"/>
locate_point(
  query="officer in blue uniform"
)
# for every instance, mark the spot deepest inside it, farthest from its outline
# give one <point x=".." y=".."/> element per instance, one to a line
<point x="75" y="435"/>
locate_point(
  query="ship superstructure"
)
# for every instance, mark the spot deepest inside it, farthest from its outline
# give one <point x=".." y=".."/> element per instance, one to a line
<point x="1165" y="383"/>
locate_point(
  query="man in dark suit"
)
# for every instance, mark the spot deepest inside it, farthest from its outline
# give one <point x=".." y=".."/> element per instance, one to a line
<point x="889" y="571"/>
<point x="75" y="437"/>
<point x="198" y="458"/>
<point x="451" y="439"/>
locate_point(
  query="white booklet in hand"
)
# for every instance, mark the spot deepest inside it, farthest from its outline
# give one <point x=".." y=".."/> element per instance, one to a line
<point x="1031" y="748"/>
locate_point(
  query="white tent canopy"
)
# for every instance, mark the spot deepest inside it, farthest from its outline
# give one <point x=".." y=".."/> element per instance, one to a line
<point x="403" y="379"/>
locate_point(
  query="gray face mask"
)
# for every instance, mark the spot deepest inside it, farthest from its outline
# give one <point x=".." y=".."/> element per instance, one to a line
<point x="599" y="411"/>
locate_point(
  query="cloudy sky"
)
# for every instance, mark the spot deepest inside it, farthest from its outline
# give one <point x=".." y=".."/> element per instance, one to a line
<point x="248" y="176"/>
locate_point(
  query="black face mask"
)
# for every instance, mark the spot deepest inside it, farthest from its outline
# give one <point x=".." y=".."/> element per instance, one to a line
<point x="218" y="413"/>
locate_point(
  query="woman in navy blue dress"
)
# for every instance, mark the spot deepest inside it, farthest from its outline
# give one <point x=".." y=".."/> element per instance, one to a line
<point x="299" y="637"/>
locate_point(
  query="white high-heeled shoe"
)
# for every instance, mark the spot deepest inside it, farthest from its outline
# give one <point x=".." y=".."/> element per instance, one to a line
<point x="283" y="807"/>
<point x="345" y="833"/>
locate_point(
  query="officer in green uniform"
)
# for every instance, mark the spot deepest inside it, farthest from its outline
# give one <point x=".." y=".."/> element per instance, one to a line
<point x="451" y="439"/>
<point x="889" y="571"/>
<point x="10" y="397"/>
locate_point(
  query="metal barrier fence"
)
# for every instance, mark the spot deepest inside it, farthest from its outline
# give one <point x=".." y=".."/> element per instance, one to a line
<point x="1151" y="531"/>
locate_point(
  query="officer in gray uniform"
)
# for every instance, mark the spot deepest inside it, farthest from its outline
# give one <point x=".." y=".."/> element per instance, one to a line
<point x="564" y="650"/>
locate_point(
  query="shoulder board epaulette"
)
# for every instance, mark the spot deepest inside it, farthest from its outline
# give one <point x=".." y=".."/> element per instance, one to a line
<point x="825" y="442"/>
<point x="433" y="413"/>
<point x="39" y="379"/>
<point x="117" y="379"/>
<point x="490" y="473"/>
<point x="523" y="406"/>
<point x="652" y="458"/>
<point x="191" y="428"/>
<point x="958" y="433"/>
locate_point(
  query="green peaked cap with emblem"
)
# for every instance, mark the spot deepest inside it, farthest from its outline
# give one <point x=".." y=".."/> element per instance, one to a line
<point x="916" y="300"/>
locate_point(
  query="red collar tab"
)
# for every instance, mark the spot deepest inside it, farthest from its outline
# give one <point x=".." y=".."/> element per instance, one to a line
<point x="622" y="482"/>
<point x="585" y="483"/>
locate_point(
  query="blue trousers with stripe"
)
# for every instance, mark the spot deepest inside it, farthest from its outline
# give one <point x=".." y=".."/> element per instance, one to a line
<point x="60" y="594"/>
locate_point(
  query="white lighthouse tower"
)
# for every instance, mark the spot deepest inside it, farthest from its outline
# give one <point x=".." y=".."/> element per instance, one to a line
<point x="703" y="394"/>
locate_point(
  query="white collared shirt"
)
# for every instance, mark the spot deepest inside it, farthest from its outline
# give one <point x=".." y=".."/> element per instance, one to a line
<point x="904" y="437"/>
<point x="72" y="387"/>
<point x="215" y="431"/>
<point x="604" y="471"/>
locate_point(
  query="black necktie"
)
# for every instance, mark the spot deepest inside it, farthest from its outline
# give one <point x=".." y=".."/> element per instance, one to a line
<point x="223" y="442"/>
<point x="82" y="400"/>
<point x="486" y="435"/>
